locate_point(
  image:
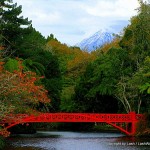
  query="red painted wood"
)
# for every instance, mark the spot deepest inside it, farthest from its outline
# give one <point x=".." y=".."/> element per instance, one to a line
<point x="119" y="121"/>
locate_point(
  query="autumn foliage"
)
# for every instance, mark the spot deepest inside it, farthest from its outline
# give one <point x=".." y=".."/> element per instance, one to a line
<point x="20" y="92"/>
<point x="73" y="58"/>
<point x="78" y="64"/>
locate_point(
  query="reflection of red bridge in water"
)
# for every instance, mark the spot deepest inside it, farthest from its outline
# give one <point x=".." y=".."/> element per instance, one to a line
<point x="124" y="122"/>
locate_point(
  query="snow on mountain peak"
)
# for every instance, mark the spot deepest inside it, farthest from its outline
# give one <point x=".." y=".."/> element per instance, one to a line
<point x="96" y="40"/>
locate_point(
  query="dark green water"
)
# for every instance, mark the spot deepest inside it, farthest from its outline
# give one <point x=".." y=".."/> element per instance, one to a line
<point x="76" y="141"/>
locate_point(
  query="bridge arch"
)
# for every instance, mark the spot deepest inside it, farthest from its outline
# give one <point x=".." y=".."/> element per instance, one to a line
<point x="118" y="121"/>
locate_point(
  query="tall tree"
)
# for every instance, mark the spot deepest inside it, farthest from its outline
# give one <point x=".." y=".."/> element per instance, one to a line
<point x="136" y="41"/>
<point x="95" y="89"/>
<point x="137" y="35"/>
<point x="31" y="48"/>
<point x="11" y="24"/>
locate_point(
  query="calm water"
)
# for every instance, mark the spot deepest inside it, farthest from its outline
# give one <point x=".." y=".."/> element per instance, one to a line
<point x="77" y="141"/>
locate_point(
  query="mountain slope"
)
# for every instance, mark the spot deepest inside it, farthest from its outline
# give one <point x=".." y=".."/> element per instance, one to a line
<point x="95" y="41"/>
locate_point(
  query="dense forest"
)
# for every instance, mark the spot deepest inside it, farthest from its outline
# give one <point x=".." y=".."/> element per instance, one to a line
<point x="43" y="74"/>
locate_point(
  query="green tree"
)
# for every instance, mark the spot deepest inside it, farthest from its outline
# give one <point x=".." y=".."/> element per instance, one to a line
<point x="30" y="45"/>
<point x="94" y="91"/>
<point x="137" y="35"/>
<point x="51" y="37"/>
<point x="11" y="24"/>
<point x="136" y="41"/>
<point x="11" y="65"/>
<point x="144" y="86"/>
<point x="32" y="49"/>
<point x="30" y="65"/>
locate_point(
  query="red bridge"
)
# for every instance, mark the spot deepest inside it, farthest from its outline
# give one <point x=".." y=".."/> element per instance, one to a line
<point x="124" y="122"/>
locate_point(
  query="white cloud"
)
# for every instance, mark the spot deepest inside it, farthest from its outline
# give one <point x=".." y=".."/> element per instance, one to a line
<point x="72" y="20"/>
<point x="112" y="8"/>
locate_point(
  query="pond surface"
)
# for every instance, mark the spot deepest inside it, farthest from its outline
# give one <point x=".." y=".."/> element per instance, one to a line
<point x="76" y="141"/>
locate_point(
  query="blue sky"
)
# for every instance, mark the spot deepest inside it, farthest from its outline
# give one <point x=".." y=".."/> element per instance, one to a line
<point x="73" y="20"/>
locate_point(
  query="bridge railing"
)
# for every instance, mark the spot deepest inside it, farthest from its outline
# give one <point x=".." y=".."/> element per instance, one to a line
<point x="72" y="117"/>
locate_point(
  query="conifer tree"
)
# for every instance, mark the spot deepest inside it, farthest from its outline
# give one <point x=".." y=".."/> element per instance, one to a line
<point x="12" y="24"/>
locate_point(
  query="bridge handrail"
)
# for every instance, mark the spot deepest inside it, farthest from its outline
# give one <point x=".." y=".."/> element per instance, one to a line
<point x="72" y="117"/>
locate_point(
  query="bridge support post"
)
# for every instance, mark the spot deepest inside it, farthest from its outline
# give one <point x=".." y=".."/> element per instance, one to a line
<point x="133" y="123"/>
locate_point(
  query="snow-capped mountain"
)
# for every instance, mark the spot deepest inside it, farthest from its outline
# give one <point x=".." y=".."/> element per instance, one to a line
<point x="95" y="41"/>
